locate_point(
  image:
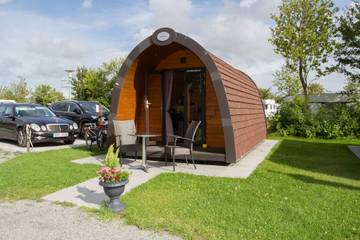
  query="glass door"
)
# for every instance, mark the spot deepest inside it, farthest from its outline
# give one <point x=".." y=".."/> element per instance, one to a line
<point x="195" y="101"/>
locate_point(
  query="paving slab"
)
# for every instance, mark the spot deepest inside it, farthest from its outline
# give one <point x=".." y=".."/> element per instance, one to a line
<point x="5" y="155"/>
<point x="90" y="193"/>
<point x="355" y="150"/>
<point x="40" y="147"/>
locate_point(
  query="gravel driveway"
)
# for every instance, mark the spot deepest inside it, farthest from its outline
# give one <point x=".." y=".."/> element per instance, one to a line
<point x="44" y="220"/>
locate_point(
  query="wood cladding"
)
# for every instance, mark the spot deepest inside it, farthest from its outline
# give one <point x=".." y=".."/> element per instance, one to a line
<point x="126" y="108"/>
<point x="173" y="61"/>
<point x="246" y="110"/>
<point x="214" y="130"/>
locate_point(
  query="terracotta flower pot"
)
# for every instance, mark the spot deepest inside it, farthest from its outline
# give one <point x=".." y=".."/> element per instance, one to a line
<point x="113" y="191"/>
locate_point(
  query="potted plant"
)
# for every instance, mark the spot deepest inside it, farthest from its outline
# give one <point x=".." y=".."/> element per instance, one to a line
<point x="113" y="179"/>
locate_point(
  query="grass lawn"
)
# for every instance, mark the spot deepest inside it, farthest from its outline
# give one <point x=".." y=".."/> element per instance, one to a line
<point x="306" y="189"/>
<point x="33" y="175"/>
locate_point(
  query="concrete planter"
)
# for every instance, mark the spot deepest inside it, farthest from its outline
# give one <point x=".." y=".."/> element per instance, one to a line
<point x="113" y="191"/>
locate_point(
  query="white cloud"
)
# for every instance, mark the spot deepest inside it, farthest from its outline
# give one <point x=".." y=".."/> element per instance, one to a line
<point x="87" y="3"/>
<point x="41" y="48"/>
<point x="237" y="32"/>
<point x="247" y="3"/>
<point x="5" y="1"/>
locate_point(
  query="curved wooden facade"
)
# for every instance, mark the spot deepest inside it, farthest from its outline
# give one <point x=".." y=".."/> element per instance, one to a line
<point x="234" y="118"/>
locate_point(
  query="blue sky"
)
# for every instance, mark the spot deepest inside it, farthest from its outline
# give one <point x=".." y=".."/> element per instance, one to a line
<point x="41" y="38"/>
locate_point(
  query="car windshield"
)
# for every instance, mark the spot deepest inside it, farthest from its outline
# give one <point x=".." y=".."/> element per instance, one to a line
<point x="93" y="107"/>
<point x="33" y="111"/>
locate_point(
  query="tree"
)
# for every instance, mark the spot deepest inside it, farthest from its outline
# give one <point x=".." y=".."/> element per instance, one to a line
<point x="352" y="88"/>
<point x="45" y="94"/>
<point x="316" y="89"/>
<point x="304" y="34"/>
<point x="5" y="93"/>
<point x="96" y="84"/>
<point x="348" y="50"/>
<point x="265" y="93"/>
<point x="18" y="90"/>
<point x="287" y="82"/>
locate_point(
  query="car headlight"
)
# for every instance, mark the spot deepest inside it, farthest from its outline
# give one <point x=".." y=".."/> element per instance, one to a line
<point x="75" y="126"/>
<point x="35" y="127"/>
<point x="43" y="128"/>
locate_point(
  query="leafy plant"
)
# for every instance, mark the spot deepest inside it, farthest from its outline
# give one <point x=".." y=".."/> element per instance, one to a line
<point x="330" y="121"/>
<point x="111" y="172"/>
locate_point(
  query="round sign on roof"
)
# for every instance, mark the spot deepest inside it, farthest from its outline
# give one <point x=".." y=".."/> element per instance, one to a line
<point x="163" y="36"/>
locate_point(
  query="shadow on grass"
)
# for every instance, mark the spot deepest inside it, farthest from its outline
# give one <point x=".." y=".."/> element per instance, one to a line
<point x="311" y="180"/>
<point x="333" y="159"/>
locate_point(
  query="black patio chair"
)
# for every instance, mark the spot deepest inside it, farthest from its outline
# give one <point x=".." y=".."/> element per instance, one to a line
<point x="184" y="148"/>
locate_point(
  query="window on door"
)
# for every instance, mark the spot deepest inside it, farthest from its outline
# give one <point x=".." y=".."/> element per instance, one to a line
<point x="188" y="102"/>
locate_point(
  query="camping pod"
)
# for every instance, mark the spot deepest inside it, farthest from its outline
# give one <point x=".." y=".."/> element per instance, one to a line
<point x="169" y="79"/>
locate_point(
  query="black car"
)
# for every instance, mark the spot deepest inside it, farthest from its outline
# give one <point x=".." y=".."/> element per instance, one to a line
<point x="45" y="125"/>
<point x="80" y="112"/>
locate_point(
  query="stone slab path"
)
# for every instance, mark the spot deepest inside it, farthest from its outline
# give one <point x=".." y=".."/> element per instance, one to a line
<point x="90" y="194"/>
<point x="4" y="156"/>
<point x="355" y="150"/>
<point x="33" y="220"/>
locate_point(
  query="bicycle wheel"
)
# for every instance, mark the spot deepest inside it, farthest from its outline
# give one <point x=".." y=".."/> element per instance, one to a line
<point x="87" y="138"/>
<point x="100" y="140"/>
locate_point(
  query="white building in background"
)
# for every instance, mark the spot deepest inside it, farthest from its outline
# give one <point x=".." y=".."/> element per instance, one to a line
<point x="270" y="107"/>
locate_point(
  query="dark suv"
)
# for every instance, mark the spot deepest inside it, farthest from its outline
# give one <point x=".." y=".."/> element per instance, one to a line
<point x="45" y="125"/>
<point x="79" y="111"/>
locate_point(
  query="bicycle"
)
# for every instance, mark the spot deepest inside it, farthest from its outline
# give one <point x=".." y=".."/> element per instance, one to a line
<point x="96" y="132"/>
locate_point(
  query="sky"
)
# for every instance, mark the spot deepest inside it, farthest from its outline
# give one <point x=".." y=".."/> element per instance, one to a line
<point x="39" y="39"/>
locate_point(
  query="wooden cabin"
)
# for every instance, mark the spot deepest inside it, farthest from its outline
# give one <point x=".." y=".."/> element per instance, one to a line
<point x="169" y="79"/>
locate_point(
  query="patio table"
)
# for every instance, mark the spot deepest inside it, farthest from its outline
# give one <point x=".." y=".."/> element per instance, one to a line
<point x="144" y="137"/>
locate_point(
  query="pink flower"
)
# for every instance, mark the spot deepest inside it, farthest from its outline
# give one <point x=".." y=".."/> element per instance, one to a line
<point x="115" y="170"/>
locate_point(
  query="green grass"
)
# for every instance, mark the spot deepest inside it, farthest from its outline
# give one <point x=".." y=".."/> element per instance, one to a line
<point x="306" y="189"/>
<point x="33" y="175"/>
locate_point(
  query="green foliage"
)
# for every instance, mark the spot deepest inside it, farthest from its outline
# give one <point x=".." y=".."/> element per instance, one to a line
<point x="45" y="94"/>
<point x="316" y="89"/>
<point x="304" y="34"/>
<point x="112" y="159"/>
<point x="18" y="91"/>
<point x="352" y="88"/>
<point x="334" y="121"/>
<point x="36" y="174"/>
<point x="287" y="82"/>
<point x="348" y="50"/>
<point x="265" y="93"/>
<point x="96" y="84"/>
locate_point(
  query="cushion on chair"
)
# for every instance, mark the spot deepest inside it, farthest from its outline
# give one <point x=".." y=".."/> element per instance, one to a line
<point x="126" y="131"/>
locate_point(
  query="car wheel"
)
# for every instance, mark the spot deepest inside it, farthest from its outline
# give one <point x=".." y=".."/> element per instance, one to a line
<point x="21" y="137"/>
<point x="69" y="141"/>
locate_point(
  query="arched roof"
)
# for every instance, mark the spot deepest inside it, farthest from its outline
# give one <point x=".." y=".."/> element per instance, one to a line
<point x="231" y="86"/>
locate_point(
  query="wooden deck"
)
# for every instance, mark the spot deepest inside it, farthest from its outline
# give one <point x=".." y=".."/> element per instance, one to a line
<point x="157" y="152"/>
